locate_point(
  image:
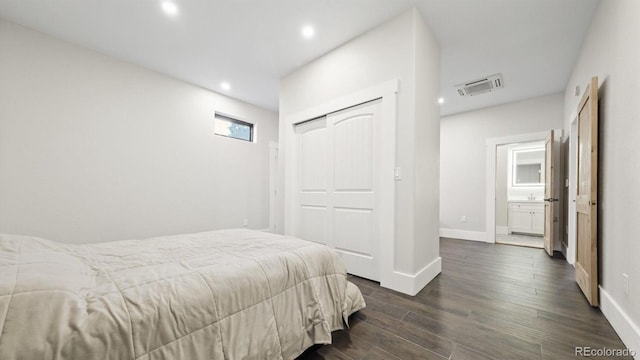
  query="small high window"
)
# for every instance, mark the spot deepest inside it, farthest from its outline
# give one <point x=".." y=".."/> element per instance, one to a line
<point x="233" y="128"/>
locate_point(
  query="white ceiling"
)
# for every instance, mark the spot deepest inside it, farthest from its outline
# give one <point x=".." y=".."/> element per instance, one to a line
<point x="252" y="43"/>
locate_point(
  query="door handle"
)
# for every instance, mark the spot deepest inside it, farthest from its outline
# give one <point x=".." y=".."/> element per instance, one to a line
<point x="551" y="199"/>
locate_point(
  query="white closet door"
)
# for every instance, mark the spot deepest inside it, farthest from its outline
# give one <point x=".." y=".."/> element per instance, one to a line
<point x="313" y="212"/>
<point x="338" y="184"/>
<point x="354" y="133"/>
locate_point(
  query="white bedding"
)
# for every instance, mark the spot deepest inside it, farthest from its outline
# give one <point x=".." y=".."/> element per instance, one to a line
<point x="231" y="294"/>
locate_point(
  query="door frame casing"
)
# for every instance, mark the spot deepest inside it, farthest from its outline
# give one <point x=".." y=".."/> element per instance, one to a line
<point x="273" y="187"/>
<point x="385" y="202"/>
<point x="572" y="190"/>
<point x="492" y="145"/>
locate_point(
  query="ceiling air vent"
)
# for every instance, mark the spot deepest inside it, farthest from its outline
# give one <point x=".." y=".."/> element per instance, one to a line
<point x="480" y="86"/>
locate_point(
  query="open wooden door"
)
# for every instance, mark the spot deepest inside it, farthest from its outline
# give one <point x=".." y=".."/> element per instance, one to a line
<point x="586" y="198"/>
<point x="549" y="194"/>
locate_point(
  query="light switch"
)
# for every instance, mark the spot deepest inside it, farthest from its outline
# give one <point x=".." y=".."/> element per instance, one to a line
<point x="397" y="174"/>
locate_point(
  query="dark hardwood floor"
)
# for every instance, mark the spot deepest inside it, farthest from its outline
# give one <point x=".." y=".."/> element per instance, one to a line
<point x="489" y="302"/>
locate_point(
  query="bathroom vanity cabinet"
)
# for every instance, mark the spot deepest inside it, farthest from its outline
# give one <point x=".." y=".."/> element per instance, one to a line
<point x="526" y="217"/>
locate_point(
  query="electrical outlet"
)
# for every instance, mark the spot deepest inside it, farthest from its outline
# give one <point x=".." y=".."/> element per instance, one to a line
<point x="245" y="222"/>
<point x="463" y="219"/>
<point x="625" y="284"/>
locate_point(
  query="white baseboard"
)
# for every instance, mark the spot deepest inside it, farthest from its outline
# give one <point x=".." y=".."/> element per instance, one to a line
<point x="628" y="330"/>
<point x="412" y="284"/>
<point x="464" y="234"/>
<point x="502" y="230"/>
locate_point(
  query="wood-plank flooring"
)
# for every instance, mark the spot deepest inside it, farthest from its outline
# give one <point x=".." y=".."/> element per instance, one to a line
<point x="490" y="302"/>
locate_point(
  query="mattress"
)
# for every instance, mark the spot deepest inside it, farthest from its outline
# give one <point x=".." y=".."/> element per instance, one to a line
<point x="230" y="294"/>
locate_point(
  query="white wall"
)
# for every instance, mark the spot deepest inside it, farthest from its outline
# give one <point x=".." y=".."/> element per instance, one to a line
<point x="404" y="49"/>
<point x="378" y="56"/>
<point x="611" y="51"/>
<point x="463" y="154"/>
<point x="427" y="146"/>
<point x="95" y="149"/>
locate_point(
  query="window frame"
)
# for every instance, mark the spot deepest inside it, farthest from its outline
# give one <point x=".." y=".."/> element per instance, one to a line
<point x="225" y="117"/>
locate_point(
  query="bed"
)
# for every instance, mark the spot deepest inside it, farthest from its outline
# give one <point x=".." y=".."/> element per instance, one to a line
<point x="230" y="294"/>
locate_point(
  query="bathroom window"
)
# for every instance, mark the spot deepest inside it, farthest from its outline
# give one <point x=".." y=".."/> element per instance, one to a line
<point x="233" y="128"/>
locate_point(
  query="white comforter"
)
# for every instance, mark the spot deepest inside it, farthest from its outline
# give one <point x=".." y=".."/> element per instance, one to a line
<point x="231" y="294"/>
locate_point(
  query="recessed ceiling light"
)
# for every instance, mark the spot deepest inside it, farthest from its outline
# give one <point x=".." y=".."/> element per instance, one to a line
<point x="169" y="8"/>
<point x="441" y="100"/>
<point x="225" y="86"/>
<point x="308" y="31"/>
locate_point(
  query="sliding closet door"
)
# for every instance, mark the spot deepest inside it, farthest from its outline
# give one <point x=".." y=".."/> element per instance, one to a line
<point x="313" y="214"/>
<point x="354" y="187"/>
<point x="337" y="185"/>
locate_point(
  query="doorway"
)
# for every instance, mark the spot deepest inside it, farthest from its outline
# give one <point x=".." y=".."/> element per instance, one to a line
<point x="273" y="187"/>
<point x="525" y="219"/>
<point x="520" y="189"/>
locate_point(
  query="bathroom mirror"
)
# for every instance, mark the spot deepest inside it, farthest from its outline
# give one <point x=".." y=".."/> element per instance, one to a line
<point x="528" y="167"/>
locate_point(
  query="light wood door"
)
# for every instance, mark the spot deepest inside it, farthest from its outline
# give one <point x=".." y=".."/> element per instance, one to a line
<point x="587" y="194"/>
<point x="338" y="182"/>
<point x="549" y="194"/>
